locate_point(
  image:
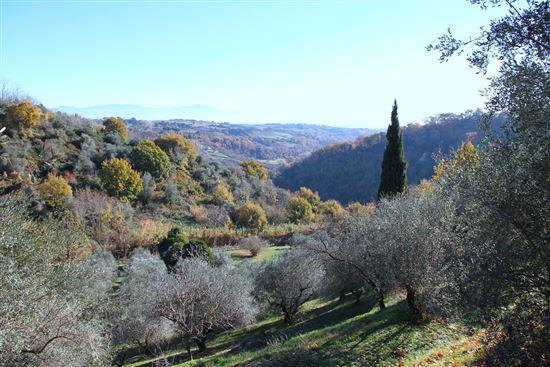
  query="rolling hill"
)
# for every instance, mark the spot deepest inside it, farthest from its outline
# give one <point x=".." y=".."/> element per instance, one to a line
<point x="350" y="171"/>
<point x="230" y="143"/>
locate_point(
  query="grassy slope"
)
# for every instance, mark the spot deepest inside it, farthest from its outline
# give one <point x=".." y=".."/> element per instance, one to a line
<point x="335" y="334"/>
<point x="340" y="334"/>
<point x="239" y="256"/>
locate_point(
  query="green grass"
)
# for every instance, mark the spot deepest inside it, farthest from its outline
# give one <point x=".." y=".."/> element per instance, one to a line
<point x="240" y="256"/>
<point x="340" y="334"/>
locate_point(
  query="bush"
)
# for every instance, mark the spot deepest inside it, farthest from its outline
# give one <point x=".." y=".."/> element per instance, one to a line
<point x="331" y="209"/>
<point x="222" y="195"/>
<point x="299" y="210"/>
<point x="255" y="169"/>
<point x="176" y="145"/>
<point x="254" y="244"/>
<point x="177" y="245"/>
<point x="22" y="115"/>
<point x="55" y="190"/>
<point x="210" y="216"/>
<point x="357" y="208"/>
<point x="117" y="126"/>
<point x="250" y="216"/>
<point x="312" y="197"/>
<point x="119" y="179"/>
<point x="148" y="157"/>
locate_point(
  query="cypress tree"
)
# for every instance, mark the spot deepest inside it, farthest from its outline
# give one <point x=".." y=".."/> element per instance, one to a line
<point x="393" y="178"/>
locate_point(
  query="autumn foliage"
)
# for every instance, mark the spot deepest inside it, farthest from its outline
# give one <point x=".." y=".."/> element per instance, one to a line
<point x="55" y="190"/>
<point x="119" y="179"/>
<point x="22" y="115"/>
<point x="116" y="125"/>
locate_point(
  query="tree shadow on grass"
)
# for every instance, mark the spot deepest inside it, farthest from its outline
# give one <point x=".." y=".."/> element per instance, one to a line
<point x="276" y="332"/>
<point x="331" y="352"/>
<point x="330" y="314"/>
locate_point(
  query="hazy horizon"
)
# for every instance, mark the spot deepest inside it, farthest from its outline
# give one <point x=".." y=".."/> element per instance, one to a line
<point x="323" y="62"/>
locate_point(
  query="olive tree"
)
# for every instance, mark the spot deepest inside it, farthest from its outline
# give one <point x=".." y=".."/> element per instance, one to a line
<point x="288" y="281"/>
<point x="351" y="243"/>
<point x="200" y="299"/>
<point x="134" y="320"/>
<point x="416" y="229"/>
<point x="500" y="270"/>
<point x="50" y="303"/>
<point x="340" y="280"/>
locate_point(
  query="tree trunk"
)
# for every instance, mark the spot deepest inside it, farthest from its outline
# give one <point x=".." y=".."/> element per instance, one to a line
<point x="381" y="303"/>
<point x="188" y="345"/>
<point x="358" y="293"/>
<point x="288" y="318"/>
<point x="416" y="313"/>
<point x="342" y="296"/>
<point x="287" y="314"/>
<point x="201" y="343"/>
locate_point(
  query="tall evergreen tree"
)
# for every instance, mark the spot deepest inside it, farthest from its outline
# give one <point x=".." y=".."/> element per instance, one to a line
<point x="393" y="178"/>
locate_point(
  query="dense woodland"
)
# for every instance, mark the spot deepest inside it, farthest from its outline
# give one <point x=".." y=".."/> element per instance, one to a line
<point x="350" y="172"/>
<point x="118" y="252"/>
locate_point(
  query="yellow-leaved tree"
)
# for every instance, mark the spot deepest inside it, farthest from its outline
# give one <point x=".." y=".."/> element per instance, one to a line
<point x="116" y="125"/>
<point x="22" y="115"/>
<point x="255" y="169"/>
<point x="251" y="216"/>
<point x="177" y="146"/>
<point x="120" y="179"/>
<point x="465" y="157"/>
<point x="55" y="190"/>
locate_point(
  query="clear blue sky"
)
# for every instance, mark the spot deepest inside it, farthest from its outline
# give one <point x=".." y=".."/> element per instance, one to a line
<point x="333" y="62"/>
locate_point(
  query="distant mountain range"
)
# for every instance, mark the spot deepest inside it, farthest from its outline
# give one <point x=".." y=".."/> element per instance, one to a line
<point x="127" y="111"/>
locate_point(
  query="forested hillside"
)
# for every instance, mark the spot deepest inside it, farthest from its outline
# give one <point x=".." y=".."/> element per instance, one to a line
<point x="350" y="172"/>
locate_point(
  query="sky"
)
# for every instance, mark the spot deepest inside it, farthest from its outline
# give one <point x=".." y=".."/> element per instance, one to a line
<point x="338" y="63"/>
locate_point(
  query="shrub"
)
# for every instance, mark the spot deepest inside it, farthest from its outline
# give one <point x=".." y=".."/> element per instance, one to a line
<point x="107" y="220"/>
<point x="55" y="190"/>
<point x="119" y="179"/>
<point x="254" y="244"/>
<point x="357" y="208"/>
<point x="177" y="245"/>
<point x="210" y="215"/>
<point x="150" y="232"/>
<point x="148" y="157"/>
<point x="250" y="216"/>
<point x="299" y="210"/>
<point x="222" y="195"/>
<point x="331" y="209"/>
<point x="176" y="145"/>
<point x="466" y="157"/>
<point x="117" y="126"/>
<point x="255" y="169"/>
<point x="22" y="115"/>
<point x="312" y="197"/>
